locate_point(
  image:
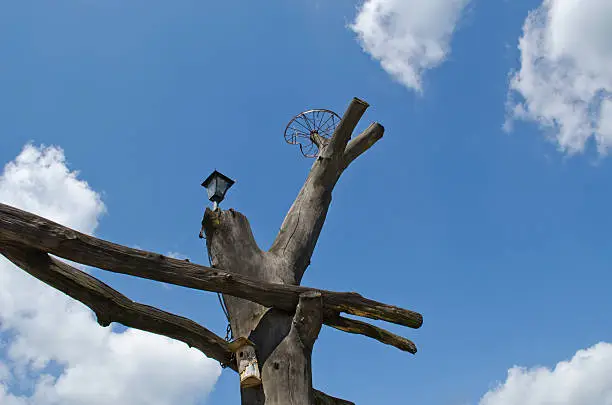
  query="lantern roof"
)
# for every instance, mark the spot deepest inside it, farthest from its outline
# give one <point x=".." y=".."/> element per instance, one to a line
<point x="214" y="174"/>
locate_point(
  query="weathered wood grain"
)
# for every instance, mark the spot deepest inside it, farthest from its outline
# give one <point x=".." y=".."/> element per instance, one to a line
<point x="260" y="288"/>
<point x="343" y="132"/>
<point x="287" y="371"/>
<point x="284" y="345"/>
<point x="300" y="230"/>
<point x="363" y="142"/>
<point x="109" y="306"/>
<point x="40" y="233"/>
<point x="374" y="332"/>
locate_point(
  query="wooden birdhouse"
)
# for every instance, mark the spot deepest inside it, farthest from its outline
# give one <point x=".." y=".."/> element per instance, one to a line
<point x="246" y="360"/>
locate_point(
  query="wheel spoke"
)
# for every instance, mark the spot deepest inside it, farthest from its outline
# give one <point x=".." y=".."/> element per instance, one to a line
<point x="300" y="128"/>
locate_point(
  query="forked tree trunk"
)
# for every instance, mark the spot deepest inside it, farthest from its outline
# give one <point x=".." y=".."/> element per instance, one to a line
<point x="284" y="341"/>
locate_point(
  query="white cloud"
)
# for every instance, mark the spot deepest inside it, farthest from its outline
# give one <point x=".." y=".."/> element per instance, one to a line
<point x="39" y="181"/>
<point x="46" y="327"/>
<point x="583" y="380"/>
<point x="565" y="82"/>
<point x="176" y="255"/>
<point x="407" y="36"/>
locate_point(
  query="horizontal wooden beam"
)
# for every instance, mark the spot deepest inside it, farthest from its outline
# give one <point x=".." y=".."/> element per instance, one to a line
<point x="109" y="305"/>
<point x="40" y="233"/>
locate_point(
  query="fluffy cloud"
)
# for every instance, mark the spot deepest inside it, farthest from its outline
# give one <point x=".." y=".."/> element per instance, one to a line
<point x="54" y="340"/>
<point x="407" y="36"/>
<point x="565" y="82"/>
<point x="583" y="380"/>
<point x="176" y="255"/>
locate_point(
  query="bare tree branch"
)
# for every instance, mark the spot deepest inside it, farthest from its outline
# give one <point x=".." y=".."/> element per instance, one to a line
<point x="22" y="227"/>
<point x="345" y="128"/>
<point x="374" y="332"/>
<point x="363" y="142"/>
<point x="300" y="230"/>
<point x="109" y="305"/>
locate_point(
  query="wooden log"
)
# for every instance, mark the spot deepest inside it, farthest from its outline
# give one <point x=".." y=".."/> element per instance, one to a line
<point x="110" y="306"/>
<point x="40" y="233"/>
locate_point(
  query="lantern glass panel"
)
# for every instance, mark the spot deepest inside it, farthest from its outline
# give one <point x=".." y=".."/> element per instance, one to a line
<point x="216" y="186"/>
<point x="210" y="190"/>
<point x="221" y="186"/>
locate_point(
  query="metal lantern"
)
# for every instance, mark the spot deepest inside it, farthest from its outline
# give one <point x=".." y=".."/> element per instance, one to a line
<point x="216" y="186"/>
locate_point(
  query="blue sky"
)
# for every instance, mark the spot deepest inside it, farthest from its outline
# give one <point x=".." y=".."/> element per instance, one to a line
<point x="498" y="237"/>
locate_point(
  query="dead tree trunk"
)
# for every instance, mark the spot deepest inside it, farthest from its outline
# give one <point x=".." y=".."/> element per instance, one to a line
<point x="284" y="341"/>
<point x="261" y="289"/>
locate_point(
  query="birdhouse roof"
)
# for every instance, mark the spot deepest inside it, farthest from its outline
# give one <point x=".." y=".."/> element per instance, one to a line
<point x="236" y="344"/>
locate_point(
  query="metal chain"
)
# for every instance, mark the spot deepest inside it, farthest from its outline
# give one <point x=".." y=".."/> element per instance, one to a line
<point x="229" y="334"/>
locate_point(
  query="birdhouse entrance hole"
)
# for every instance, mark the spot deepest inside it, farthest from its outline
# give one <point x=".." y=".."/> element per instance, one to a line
<point x="246" y="360"/>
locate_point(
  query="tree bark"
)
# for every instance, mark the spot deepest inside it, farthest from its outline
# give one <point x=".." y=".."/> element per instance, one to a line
<point x="283" y="341"/>
<point x="31" y="230"/>
<point x="300" y="230"/>
<point x="111" y="306"/>
<point x="261" y="289"/>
